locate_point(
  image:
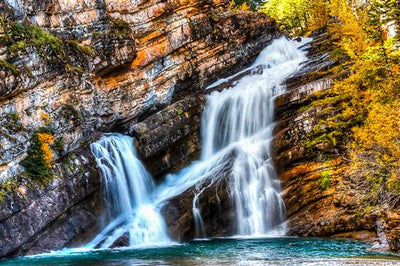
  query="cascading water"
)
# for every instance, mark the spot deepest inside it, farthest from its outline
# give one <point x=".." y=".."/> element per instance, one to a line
<point x="128" y="188"/>
<point x="242" y="118"/>
<point x="237" y="125"/>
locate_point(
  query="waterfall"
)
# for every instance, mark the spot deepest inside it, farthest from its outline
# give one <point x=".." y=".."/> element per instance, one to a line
<point x="240" y="121"/>
<point x="128" y="188"/>
<point x="237" y="125"/>
<point x="242" y="118"/>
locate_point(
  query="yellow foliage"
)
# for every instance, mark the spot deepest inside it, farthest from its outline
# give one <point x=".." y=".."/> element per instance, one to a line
<point x="232" y="5"/>
<point x="375" y="151"/>
<point x="374" y="105"/>
<point x="46" y="139"/>
<point x="381" y="132"/>
<point x="367" y="102"/>
<point x="319" y="14"/>
<point x="292" y="15"/>
<point x="349" y="29"/>
<point x="244" y="7"/>
<point x="396" y="69"/>
<point x="46" y="118"/>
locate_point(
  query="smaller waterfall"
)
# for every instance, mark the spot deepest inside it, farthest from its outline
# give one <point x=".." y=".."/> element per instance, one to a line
<point x="128" y="188"/>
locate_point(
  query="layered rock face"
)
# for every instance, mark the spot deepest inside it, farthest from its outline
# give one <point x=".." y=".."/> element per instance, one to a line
<point x="143" y="57"/>
<point x="322" y="196"/>
<point x="105" y="66"/>
<point x="37" y="218"/>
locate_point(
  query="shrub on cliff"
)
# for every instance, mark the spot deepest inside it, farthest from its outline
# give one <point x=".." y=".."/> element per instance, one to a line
<point x="18" y="36"/>
<point x="38" y="161"/>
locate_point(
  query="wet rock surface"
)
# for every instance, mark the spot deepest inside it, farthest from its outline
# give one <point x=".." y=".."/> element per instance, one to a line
<point x="212" y="197"/>
<point x="177" y="49"/>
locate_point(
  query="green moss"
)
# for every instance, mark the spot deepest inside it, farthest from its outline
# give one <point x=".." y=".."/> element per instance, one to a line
<point x="13" y="116"/>
<point x="18" y="36"/>
<point x="8" y="186"/>
<point x="331" y="137"/>
<point x="324" y="100"/>
<point x="121" y="27"/>
<point x="35" y="165"/>
<point x="338" y="54"/>
<point x="59" y="145"/>
<point x="179" y="111"/>
<point x="74" y="70"/>
<point x="69" y="112"/>
<point x="97" y="34"/>
<point x="368" y="209"/>
<point x="325" y="180"/>
<point x="18" y="46"/>
<point x="12" y="122"/>
<point x="41" y="38"/>
<point x="334" y="124"/>
<point x="9" y="67"/>
<point x="84" y="49"/>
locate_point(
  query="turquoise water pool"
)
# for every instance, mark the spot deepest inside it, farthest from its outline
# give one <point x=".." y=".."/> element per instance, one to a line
<point x="271" y="251"/>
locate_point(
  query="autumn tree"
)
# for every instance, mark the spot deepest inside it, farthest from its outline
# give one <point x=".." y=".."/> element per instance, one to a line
<point x="293" y="15"/>
<point x="367" y="101"/>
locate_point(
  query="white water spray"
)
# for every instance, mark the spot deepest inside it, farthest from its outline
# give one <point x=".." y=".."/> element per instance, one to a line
<point x="242" y="117"/>
<point x="237" y="125"/>
<point x="128" y="188"/>
<point x="239" y="122"/>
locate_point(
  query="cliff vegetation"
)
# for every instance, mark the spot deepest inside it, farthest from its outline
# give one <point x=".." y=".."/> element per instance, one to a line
<point x="360" y="112"/>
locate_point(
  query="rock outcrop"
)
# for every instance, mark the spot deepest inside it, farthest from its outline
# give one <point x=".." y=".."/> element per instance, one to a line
<point x="73" y="70"/>
<point x="170" y="138"/>
<point x="76" y="69"/>
<point x="36" y="218"/>
<point x="322" y="196"/>
<point x="212" y="198"/>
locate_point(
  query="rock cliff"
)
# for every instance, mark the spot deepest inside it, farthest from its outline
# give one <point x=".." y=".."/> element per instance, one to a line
<point x="323" y="196"/>
<point x="72" y="70"/>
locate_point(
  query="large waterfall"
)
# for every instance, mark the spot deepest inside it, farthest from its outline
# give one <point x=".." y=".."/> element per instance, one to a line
<point x="237" y="122"/>
<point x="242" y="118"/>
